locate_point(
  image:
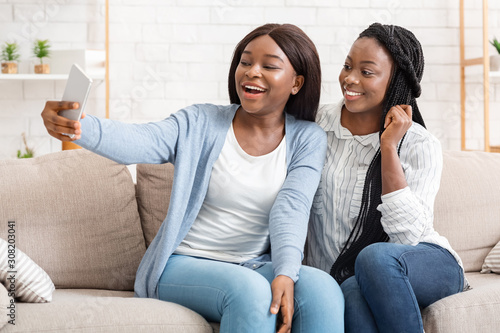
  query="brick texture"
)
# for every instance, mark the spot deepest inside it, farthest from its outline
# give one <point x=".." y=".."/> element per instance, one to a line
<point x="169" y="54"/>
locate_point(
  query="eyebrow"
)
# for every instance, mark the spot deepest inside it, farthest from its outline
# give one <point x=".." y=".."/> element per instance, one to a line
<point x="365" y="61"/>
<point x="267" y="55"/>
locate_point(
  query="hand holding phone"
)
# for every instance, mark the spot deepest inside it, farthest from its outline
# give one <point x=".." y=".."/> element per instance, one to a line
<point x="77" y="90"/>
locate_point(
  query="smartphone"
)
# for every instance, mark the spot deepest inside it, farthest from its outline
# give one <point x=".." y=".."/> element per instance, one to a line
<point x="77" y="90"/>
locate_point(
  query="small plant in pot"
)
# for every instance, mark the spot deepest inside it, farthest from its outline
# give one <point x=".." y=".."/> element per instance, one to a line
<point x="41" y="50"/>
<point x="29" y="152"/>
<point x="10" y="55"/>
<point x="495" y="59"/>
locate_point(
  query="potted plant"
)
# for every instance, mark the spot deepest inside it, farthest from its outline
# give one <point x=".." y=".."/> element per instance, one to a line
<point x="10" y="54"/>
<point x="41" y="49"/>
<point x="29" y="151"/>
<point x="495" y="59"/>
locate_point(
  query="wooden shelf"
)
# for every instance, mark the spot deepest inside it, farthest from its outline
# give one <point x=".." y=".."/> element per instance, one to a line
<point x="484" y="79"/>
<point x="66" y="145"/>
<point x="43" y="77"/>
<point x="94" y="71"/>
<point x="495" y="149"/>
<point x="495" y="74"/>
<point x="479" y="78"/>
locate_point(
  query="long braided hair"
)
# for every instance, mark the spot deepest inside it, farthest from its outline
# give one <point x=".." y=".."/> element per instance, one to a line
<point x="404" y="88"/>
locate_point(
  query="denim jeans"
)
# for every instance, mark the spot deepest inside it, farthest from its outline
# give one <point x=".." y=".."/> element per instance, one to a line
<point x="240" y="298"/>
<point x="393" y="282"/>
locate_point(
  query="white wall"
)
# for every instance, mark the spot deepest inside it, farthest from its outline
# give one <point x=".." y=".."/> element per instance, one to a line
<point x="167" y="54"/>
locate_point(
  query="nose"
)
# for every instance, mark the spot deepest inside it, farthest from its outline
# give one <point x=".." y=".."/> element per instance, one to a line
<point x="351" y="79"/>
<point x="253" y="71"/>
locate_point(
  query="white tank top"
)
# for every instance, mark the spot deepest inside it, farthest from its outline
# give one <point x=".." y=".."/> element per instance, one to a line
<point x="233" y="222"/>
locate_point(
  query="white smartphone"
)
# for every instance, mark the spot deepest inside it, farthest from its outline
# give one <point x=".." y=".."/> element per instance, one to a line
<point x="77" y="90"/>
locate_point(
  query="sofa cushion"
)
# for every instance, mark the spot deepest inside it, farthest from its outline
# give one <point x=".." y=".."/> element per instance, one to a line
<point x="492" y="262"/>
<point x="474" y="310"/>
<point x="154" y="184"/>
<point x="22" y="276"/>
<point x="79" y="310"/>
<point x="76" y="216"/>
<point x="467" y="206"/>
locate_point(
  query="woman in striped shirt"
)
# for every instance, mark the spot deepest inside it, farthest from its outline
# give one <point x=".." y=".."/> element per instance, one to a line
<point x="372" y="218"/>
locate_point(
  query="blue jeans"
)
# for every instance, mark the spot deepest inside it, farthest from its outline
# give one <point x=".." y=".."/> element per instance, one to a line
<point x="240" y="298"/>
<point x="393" y="282"/>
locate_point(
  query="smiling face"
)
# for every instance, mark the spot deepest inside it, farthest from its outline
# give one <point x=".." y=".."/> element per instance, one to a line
<point x="265" y="77"/>
<point x="365" y="76"/>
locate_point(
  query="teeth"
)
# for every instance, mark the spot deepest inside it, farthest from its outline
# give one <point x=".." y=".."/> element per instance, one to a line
<point x="352" y="93"/>
<point x="254" y="88"/>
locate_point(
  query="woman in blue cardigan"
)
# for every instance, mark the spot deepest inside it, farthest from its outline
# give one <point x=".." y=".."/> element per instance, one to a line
<point x="232" y="243"/>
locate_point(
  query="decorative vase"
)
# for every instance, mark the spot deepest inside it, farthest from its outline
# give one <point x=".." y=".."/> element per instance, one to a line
<point x="9" y="67"/>
<point x="495" y="63"/>
<point x="42" y="69"/>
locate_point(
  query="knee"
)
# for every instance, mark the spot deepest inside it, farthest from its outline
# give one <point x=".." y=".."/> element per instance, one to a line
<point x="352" y="294"/>
<point x="251" y="289"/>
<point x="374" y="257"/>
<point x="246" y="303"/>
<point x="319" y="302"/>
<point x="377" y="263"/>
<point x="349" y="287"/>
<point x="318" y="289"/>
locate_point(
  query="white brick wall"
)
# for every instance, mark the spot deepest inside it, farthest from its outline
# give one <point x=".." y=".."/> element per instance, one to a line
<point x="166" y="54"/>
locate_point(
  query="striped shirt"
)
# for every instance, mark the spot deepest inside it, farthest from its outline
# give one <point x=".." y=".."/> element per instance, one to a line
<point x="407" y="214"/>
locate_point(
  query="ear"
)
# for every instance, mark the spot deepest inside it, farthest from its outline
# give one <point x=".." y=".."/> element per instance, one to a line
<point x="299" y="82"/>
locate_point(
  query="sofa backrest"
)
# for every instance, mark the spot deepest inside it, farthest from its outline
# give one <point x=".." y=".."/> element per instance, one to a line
<point x="467" y="207"/>
<point x="466" y="211"/>
<point x="76" y="216"/>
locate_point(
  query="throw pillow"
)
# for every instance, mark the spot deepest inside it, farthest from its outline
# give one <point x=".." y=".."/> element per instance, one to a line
<point x="24" y="278"/>
<point x="492" y="262"/>
<point x="154" y="184"/>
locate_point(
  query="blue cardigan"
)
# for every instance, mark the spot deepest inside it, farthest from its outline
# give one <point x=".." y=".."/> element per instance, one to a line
<point x="192" y="140"/>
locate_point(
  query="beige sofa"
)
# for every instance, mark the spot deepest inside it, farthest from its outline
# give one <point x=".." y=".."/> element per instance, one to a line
<point x="80" y="217"/>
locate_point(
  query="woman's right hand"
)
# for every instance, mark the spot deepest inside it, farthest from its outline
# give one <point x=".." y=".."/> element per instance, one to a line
<point x="397" y="122"/>
<point x="56" y="125"/>
<point x="282" y="289"/>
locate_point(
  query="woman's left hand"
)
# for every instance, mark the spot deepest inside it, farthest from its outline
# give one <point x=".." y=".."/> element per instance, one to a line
<point x="397" y="121"/>
<point x="282" y="289"/>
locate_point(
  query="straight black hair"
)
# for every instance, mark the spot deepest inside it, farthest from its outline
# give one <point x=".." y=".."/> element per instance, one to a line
<point x="303" y="56"/>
